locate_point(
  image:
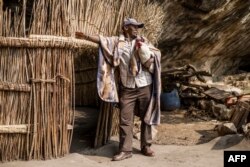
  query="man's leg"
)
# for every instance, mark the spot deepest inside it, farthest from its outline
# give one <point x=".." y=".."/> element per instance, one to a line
<point x="146" y="130"/>
<point x="127" y="105"/>
<point x="146" y="135"/>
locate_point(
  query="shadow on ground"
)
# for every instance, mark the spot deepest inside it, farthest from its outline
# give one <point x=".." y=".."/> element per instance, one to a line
<point x="84" y="129"/>
<point x="227" y="142"/>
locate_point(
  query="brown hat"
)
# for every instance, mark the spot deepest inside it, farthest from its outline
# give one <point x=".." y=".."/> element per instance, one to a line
<point x="131" y="21"/>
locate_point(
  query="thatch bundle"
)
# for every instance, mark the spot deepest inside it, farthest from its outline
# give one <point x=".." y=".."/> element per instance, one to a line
<point x="63" y="18"/>
<point x="106" y="17"/>
<point x="37" y="79"/>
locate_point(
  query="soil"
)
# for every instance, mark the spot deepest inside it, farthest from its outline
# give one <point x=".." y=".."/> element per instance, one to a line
<point x="177" y="127"/>
<point x="183" y="139"/>
<point x="182" y="128"/>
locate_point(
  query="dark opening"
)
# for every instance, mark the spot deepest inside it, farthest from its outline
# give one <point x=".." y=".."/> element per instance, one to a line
<point x="244" y="65"/>
<point x="16" y="7"/>
<point x="84" y="128"/>
<point x="245" y="68"/>
<point x="86" y="101"/>
<point x="12" y="5"/>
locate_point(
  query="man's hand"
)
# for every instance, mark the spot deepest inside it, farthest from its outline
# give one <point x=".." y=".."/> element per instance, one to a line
<point x="92" y="38"/>
<point x="149" y="62"/>
<point x="80" y="35"/>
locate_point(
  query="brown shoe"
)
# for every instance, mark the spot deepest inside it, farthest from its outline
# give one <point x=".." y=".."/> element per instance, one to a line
<point x="122" y="155"/>
<point x="147" y="151"/>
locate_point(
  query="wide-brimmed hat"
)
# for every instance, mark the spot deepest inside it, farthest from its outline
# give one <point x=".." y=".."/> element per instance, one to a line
<point x="131" y="21"/>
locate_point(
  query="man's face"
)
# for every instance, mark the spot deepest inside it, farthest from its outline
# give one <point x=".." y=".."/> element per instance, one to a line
<point x="131" y="30"/>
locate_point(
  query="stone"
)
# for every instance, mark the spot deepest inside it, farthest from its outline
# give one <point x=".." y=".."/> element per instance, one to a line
<point x="225" y="129"/>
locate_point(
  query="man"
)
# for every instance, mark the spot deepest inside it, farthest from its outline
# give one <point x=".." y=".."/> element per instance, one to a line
<point x="139" y="87"/>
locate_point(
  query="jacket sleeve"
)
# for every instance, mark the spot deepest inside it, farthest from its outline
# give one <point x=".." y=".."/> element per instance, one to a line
<point x="108" y="46"/>
<point x="106" y="86"/>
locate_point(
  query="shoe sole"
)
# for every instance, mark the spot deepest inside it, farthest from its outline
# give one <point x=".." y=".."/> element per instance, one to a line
<point x="126" y="157"/>
<point x="148" y="155"/>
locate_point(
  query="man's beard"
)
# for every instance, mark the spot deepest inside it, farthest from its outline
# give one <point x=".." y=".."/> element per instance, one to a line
<point x="134" y="36"/>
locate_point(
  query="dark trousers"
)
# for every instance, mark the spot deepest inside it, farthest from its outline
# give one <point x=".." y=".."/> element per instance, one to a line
<point x="129" y="98"/>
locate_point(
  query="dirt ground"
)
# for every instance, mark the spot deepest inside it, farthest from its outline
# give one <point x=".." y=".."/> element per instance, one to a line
<point x="182" y="140"/>
<point x="182" y="128"/>
<point x="205" y="155"/>
<point x="177" y="127"/>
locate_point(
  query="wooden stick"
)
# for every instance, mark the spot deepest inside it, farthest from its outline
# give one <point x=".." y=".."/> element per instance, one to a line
<point x="7" y="86"/>
<point x="14" y="129"/>
<point x="54" y="42"/>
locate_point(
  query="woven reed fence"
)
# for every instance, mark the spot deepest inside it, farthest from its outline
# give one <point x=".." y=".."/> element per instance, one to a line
<point x="85" y="74"/>
<point x="36" y="92"/>
<point x="37" y="77"/>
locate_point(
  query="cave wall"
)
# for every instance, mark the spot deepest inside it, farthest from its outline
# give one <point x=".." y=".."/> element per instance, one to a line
<point x="210" y="34"/>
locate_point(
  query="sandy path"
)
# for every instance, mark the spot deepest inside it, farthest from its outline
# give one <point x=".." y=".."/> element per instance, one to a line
<point x="205" y="155"/>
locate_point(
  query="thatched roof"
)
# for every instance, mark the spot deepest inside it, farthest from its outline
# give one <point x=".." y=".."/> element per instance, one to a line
<point x="60" y="18"/>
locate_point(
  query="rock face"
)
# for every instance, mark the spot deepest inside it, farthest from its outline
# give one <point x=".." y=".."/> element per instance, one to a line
<point x="210" y="34"/>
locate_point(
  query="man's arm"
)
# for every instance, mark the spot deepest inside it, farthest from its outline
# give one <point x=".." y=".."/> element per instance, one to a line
<point x="92" y="38"/>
